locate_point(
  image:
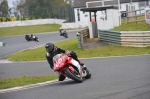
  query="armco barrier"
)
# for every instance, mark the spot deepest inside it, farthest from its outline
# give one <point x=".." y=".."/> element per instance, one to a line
<point x="125" y="38"/>
<point x="2" y="44"/>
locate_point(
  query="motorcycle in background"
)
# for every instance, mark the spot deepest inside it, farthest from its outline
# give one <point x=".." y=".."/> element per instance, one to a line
<point x="63" y="33"/>
<point x="31" y="38"/>
<point x="67" y="66"/>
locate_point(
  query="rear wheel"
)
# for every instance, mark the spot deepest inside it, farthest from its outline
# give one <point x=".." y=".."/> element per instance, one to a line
<point x="73" y="76"/>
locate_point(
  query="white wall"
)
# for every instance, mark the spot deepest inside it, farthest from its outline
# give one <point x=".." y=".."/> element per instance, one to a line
<point x="31" y="22"/>
<point x="74" y="25"/>
<point x="109" y="23"/>
<point x="115" y="18"/>
<point x="84" y="16"/>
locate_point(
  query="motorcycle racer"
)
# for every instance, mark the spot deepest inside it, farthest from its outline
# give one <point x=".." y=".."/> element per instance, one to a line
<point x="60" y="31"/>
<point x="52" y="50"/>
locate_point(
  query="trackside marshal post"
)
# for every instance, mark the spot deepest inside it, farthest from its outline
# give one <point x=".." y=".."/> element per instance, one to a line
<point x="147" y="15"/>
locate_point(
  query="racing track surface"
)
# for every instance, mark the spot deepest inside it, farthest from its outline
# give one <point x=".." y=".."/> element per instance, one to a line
<point x="112" y="78"/>
<point x="18" y="43"/>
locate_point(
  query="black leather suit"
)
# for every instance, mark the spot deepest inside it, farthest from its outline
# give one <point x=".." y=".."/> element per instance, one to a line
<point x="49" y="56"/>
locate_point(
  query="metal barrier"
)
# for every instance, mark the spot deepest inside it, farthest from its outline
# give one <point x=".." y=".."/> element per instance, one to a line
<point x="125" y="38"/>
<point x="82" y="37"/>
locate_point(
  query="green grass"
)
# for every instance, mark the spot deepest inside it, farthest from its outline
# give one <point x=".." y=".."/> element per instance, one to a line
<point x="20" y="30"/>
<point x="14" y="82"/>
<point x="140" y="26"/>
<point x="39" y="53"/>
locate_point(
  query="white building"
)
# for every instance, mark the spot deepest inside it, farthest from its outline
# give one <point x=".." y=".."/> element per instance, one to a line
<point x="82" y="18"/>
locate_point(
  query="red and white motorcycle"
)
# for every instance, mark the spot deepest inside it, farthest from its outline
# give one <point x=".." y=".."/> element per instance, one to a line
<point x="70" y="68"/>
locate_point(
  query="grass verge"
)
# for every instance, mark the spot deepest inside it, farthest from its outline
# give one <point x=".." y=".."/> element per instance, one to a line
<point x="103" y="51"/>
<point x="20" y="30"/>
<point x="139" y="26"/>
<point x="14" y="82"/>
<point x="29" y="55"/>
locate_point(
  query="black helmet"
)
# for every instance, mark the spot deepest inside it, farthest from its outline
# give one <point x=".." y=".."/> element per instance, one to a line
<point x="50" y="47"/>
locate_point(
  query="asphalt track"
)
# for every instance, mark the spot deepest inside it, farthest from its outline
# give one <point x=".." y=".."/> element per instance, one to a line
<point x="18" y="43"/>
<point x="125" y="77"/>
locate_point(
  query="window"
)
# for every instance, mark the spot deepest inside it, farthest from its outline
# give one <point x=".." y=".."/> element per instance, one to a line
<point x="78" y="14"/>
<point x="142" y="5"/>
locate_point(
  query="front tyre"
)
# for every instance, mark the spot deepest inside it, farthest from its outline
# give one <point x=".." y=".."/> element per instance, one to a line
<point x="73" y="76"/>
<point x="66" y="35"/>
<point x="37" y="40"/>
<point x="88" y="76"/>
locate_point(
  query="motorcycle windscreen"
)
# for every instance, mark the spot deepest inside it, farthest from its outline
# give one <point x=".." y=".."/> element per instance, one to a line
<point x="63" y="31"/>
<point x="59" y="61"/>
<point x="56" y="57"/>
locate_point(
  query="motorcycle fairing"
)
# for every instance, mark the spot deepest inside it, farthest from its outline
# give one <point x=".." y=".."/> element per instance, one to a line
<point x="60" y="61"/>
<point x="76" y="64"/>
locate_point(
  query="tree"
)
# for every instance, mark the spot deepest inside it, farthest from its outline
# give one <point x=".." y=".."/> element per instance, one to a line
<point x="4" y="9"/>
<point x="41" y="8"/>
<point x="45" y="8"/>
<point x="21" y="7"/>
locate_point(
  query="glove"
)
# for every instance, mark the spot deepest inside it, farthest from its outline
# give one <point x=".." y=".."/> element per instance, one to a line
<point x="51" y="67"/>
<point x="68" y="53"/>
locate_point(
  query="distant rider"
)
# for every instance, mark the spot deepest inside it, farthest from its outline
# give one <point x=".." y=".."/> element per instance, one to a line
<point x="61" y="31"/>
<point x="32" y="37"/>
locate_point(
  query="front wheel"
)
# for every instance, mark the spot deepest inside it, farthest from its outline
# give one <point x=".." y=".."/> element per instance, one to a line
<point x="37" y="40"/>
<point x="73" y="76"/>
<point x="88" y="76"/>
<point x="65" y="35"/>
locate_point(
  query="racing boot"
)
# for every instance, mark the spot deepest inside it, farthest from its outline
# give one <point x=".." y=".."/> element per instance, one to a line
<point x="61" y="77"/>
<point x="82" y="64"/>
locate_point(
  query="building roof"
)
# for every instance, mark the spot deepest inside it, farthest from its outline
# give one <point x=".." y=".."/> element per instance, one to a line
<point x="94" y="9"/>
<point x="82" y="3"/>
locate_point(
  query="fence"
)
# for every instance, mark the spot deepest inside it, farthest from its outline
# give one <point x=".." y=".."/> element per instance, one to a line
<point x="133" y="15"/>
<point x="126" y="38"/>
<point x="82" y="37"/>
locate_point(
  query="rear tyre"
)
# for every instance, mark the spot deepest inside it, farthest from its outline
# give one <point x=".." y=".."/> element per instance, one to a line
<point x="73" y="76"/>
